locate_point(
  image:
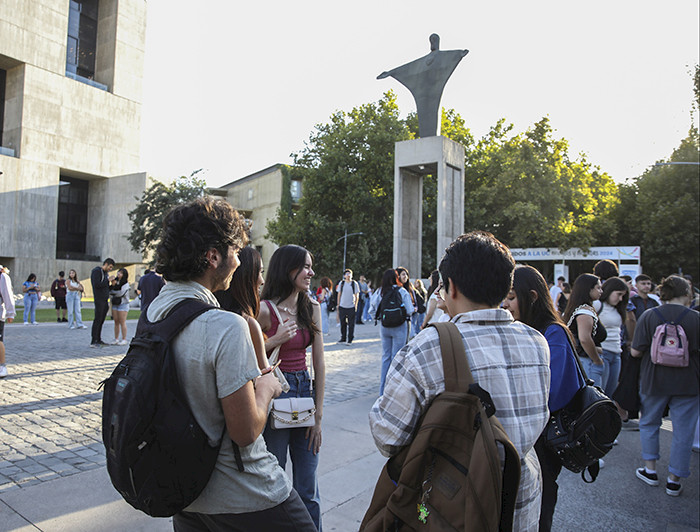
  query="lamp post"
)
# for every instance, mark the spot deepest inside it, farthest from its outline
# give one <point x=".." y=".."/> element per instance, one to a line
<point x="345" y="244"/>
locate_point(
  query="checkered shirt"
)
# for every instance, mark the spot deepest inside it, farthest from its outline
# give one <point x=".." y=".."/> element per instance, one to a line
<point x="508" y="359"/>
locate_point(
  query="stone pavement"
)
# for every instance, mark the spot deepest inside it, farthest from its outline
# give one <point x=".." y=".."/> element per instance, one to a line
<point x="51" y="455"/>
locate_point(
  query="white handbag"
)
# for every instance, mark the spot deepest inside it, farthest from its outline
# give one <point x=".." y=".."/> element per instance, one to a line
<point x="290" y="412"/>
<point x="293" y="413"/>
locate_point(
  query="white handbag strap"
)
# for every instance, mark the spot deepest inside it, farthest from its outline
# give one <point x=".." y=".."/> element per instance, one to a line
<point x="275" y="353"/>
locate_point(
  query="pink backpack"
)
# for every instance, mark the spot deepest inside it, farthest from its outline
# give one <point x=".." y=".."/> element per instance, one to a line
<point x="669" y="347"/>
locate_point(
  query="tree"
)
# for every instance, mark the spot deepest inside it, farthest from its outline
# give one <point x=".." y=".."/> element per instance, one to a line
<point x="155" y="202"/>
<point x="347" y="172"/>
<point x="527" y="191"/>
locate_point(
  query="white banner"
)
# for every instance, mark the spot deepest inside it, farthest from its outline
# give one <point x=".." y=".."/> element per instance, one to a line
<point x="594" y="253"/>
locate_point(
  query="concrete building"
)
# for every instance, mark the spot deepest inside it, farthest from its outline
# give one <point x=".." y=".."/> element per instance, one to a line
<point x="257" y="197"/>
<point x="70" y="113"/>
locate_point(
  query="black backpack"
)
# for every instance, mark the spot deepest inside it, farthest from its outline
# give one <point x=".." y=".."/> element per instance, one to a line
<point x="158" y="457"/>
<point x="391" y="311"/>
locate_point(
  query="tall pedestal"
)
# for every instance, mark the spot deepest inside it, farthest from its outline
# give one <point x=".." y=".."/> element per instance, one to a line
<point x="414" y="159"/>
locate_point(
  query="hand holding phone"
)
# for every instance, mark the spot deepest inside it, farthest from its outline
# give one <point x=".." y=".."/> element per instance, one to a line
<point x="270" y="369"/>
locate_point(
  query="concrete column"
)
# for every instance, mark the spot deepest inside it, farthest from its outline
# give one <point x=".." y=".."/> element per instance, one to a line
<point x="413" y="159"/>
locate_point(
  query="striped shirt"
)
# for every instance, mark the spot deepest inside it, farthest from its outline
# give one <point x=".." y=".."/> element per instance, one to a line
<point x="508" y="359"/>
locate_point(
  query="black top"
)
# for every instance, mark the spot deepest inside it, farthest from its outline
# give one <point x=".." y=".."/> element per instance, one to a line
<point x="641" y="304"/>
<point x="598" y="337"/>
<point x="663" y="380"/>
<point x="100" y="283"/>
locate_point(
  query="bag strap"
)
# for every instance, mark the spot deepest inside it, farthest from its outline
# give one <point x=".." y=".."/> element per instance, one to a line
<point x="576" y="358"/>
<point x="458" y="375"/>
<point x="678" y="319"/>
<point x="177" y="319"/>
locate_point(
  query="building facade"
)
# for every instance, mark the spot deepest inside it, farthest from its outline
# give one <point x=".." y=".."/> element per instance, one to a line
<point x="257" y="197"/>
<point x="70" y="114"/>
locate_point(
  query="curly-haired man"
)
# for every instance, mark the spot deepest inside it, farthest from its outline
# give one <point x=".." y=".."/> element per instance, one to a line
<point x="218" y="372"/>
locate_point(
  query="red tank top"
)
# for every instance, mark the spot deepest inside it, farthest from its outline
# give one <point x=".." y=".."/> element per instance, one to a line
<point x="293" y="352"/>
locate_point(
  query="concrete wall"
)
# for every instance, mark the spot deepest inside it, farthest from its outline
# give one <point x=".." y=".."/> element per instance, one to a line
<point x="59" y="126"/>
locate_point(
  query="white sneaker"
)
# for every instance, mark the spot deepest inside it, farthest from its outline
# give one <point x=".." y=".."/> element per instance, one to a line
<point x="3" y="372"/>
<point x="35" y="323"/>
<point x="601" y="463"/>
<point x="122" y="342"/>
<point x="26" y="323"/>
<point x="82" y="327"/>
<point x="72" y="327"/>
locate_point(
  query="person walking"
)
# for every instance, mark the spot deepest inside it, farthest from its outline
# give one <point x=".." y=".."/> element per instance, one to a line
<point x="323" y="296"/>
<point x="348" y="296"/>
<point x="292" y="322"/>
<point x="393" y="338"/>
<point x="32" y="293"/>
<point x="74" y="292"/>
<point x="99" y="278"/>
<point x="150" y="285"/>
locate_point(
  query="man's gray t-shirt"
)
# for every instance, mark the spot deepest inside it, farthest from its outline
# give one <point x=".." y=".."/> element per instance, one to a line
<point x="346" y="294"/>
<point x="215" y="357"/>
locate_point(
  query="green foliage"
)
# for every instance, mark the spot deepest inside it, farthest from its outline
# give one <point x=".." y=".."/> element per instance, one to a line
<point x="527" y="191"/>
<point x="347" y="166"/>
<point x="155" y="202"/>
<point x="660" y="211"/>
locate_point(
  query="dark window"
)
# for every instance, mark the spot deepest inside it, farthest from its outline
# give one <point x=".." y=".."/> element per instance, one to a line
<point x="3" y="79"/>
<point x="71" y="229"/>
<point x="82" y="38"/>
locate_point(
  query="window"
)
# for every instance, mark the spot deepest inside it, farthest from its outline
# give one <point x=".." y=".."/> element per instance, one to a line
<point x="82" y="38"/>
<point x="296" y="191"/>
<point x="71" y="228"/>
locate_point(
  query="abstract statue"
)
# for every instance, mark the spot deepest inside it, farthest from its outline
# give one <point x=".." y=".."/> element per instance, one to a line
<point x="426" y="78"/>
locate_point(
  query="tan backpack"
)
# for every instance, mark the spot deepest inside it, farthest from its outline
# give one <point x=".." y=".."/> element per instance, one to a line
<point x="450" y="476"/>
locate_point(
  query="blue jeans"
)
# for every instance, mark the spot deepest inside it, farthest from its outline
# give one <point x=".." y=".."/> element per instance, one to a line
<point x="611" y="371"/>
<point x="75" y="318"/>
<point x="365" y="311"/>
<point x="684" y="414"/>
<point x="416" y="322"/>
<point x="594" y="372"/>
<point x="325" y="318"/>
<point x="393" y="339"/>
<point x="30" y="303"/>
<point x="304" y="462"/>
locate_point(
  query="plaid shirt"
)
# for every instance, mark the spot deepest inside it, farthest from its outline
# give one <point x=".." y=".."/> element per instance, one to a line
<point x="508" y="359"/>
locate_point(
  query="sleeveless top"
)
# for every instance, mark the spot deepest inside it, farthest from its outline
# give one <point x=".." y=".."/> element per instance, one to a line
<point x="293" y="352"/>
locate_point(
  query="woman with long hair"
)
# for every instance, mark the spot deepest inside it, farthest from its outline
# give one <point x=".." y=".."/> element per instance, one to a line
<point x="612" y="312"/>
<point x="661" y="386"/>
<point x="435" y="307"/>
<point x="393" y="338"/>
<point x="32" y="293"/>
<point x="323" y="296"/>
<point x="583" y="322"/>
<point x="405" y="282"/>
<point x="292" y="321"/>
<point x="529" y="302"/>
<point x="74" y="291"/>
<point x="243" y="297"/>
<point x="421" y="306"/>
<point x="119" y="296"/>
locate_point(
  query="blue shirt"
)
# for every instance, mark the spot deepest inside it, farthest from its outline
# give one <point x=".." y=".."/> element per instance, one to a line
<point x="566" y="379"/>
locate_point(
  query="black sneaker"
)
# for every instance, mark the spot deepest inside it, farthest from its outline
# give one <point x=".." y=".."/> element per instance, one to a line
<point x="58" y="320"/>
<point x="673" y="489"/>
<point x="652" y="479"/>
<point x="64" y="320"/>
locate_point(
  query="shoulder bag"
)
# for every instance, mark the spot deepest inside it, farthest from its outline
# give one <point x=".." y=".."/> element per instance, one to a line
<point x="585" y="429"/>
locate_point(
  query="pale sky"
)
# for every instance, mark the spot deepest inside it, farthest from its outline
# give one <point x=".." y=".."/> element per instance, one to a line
<point x="234" y="87"/>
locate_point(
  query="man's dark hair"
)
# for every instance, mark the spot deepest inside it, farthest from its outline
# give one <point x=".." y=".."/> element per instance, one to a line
<point x="480" y="266"/>
<point x="642" y="277"/>
<point x="109" y="261"/>
<point x="605" y="269"/>
<point x="192" y="229"/>
<point x="626" y="278"/>
<point x="148" y="270"/>
<point x="61" y="273"/>
<point x="561" y="278"/>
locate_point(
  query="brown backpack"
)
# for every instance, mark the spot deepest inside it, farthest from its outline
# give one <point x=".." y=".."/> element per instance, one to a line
<point x="450" y="476"/>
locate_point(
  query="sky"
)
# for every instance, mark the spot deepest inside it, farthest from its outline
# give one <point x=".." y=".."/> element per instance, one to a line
<point x="235" y="87"/>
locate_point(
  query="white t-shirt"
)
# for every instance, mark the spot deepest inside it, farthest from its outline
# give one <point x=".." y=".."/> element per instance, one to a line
<point x="346" y="295"/>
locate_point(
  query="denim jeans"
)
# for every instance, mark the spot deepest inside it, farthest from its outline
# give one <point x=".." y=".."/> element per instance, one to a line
<point x="75" y="318"/>
<point x="684" y="414"/>
<point x="304" y="462"/>
<point x="393" y="339"/>
<point x="611" y="371"/>
<point x="416" y="322"/>
<point x="30" y="303"/>
<point x="594" y="372"/>
<point x="325" y="318"/>
<point x="366" y="316"/>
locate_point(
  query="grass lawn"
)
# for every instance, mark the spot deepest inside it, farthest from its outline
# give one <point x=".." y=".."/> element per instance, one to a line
<point x="48" y="315"/>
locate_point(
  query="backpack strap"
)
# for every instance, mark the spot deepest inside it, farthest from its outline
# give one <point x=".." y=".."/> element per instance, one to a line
<point x="177" y="319"/>
<point x="458" y="376"/>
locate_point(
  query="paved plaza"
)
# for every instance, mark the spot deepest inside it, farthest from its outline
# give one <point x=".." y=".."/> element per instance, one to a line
<point x="51" y="456"/>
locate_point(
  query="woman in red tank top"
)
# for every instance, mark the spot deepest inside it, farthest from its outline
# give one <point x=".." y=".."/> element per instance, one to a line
<point x="297" y="327"/>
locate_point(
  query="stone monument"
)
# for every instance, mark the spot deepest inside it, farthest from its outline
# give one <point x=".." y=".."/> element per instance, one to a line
<point x="431" y="154"/>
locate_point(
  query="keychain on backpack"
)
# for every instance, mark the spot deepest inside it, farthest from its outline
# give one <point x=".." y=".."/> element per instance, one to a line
<point x="423" y="511"/>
